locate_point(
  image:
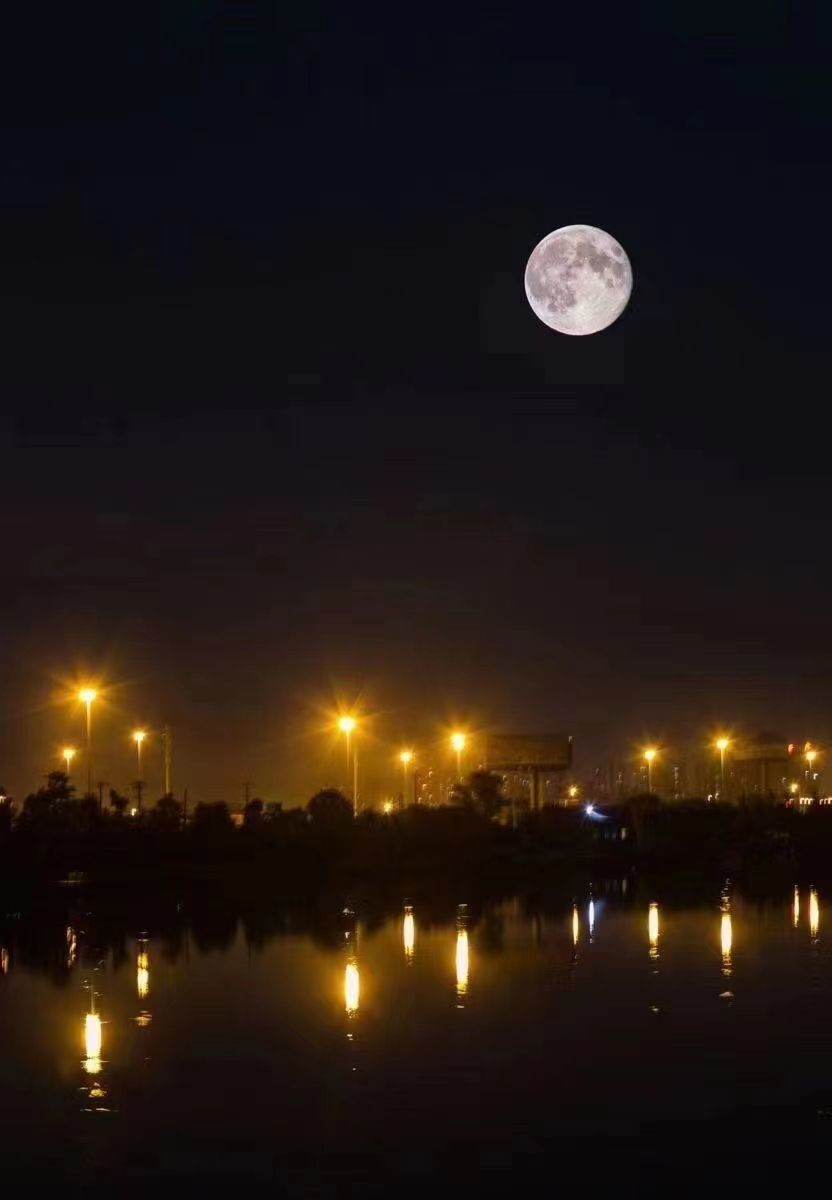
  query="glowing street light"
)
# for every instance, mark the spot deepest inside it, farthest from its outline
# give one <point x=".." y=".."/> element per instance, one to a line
<point x="68" y="753"/>
<point x="573" y="792"/>
<point x="347" y="725"/>
<point x="405" y="758"/>
<point x="649" y="754"/>
<point x="458" y="745"/>
<point x="722" y="744"/>
<point x="87" y="695"/>
<point x="139" y="736"/>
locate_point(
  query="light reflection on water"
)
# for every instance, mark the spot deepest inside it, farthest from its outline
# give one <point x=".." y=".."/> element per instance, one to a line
<point x="142" y="973"/>
<point x="726" y="939"/>
<point x="814" y="913"/>
<point x="409" y="934"/>
<point x="287" y="987"/>
<point x="653" y="930"/>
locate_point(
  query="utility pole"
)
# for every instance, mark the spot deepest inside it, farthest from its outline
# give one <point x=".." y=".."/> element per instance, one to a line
<point x="167" y="743"/>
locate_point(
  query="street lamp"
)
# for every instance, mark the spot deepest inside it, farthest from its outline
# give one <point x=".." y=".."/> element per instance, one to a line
<point x="573" y="792"/>
<point x="458" y="744"/>
<point x="347" y="725"/>
<point x="86" y="696"/>
<point x="405" y="758"/>
<point x="649" y="754"/>
<point x="810" y="755"/>
<point x="68" y="753"/>
<point x="138" y="737"/>
<point x="722" y="745"/>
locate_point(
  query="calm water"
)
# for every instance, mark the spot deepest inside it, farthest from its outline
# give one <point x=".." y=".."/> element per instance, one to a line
<point x="489" y="1034"/>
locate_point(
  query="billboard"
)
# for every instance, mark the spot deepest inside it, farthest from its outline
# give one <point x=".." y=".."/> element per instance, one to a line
<point x="762" y="749"/>
<point x="528" y="752"/>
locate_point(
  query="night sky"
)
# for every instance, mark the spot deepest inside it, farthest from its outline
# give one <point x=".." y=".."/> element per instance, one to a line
<point x="278" y="422"/>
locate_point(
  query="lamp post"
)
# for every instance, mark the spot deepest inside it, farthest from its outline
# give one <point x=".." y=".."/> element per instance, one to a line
<point x="86" y="696"/>
<point x="138" y="737"/>
<point x="347" y="724"/>
<point x="722" y="745"/>
<point x="810" y="755"/>
<point x="405" y="758"/>
<point x="68" y="753"/>
<point x="649" y="754"/>
<point x="458" y="745"/>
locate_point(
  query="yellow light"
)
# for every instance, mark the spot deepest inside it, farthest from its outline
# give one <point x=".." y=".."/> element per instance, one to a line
<point x="352" y="988"/>
<point x="814" y="912"/>
<point x="461" y="962"/>
<point x="726" y="937"/>
<point x="406" y="756"/>
<point x="387" y="807"/>
<point x="576" y="925"/>
<point x="793" y="788"/>
<point x="409" y="934"/>
<point x="92" y="1043"/>
<point x="87" y="695"/>
<point x="650" y="753"/>
<point x="138" y="736"/>
<point x="346" y="724"/>
<point x="811" y="755"/>
<point x="796" y="907"/>
<point x="142" y="975"/>
<point x="653" y="929"/>
<point x="69" y="753"/>
<point x="722" y="744"/>
<point x="573" y="791"/>
<point x="458" y="741"/>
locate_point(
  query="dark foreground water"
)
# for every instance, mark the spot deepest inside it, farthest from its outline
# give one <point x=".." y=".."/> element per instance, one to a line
<point x="618" y="1037"/>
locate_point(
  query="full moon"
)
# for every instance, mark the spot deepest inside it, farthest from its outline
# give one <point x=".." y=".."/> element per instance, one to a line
<point x="578" y="279"/>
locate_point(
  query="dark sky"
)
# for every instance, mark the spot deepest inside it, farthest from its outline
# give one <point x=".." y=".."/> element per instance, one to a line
<point x="279" y="423"/>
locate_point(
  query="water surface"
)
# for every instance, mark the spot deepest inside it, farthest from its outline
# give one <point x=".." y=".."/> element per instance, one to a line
<point x="480" y="1037"/>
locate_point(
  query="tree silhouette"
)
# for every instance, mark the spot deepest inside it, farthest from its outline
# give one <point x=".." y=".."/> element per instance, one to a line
<point x="211" y="820"/>
<point x="253" y="813"/>
<point x="330" y="809"/>
<point x="167" y="815"/>
<point x="118" y="803"/>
